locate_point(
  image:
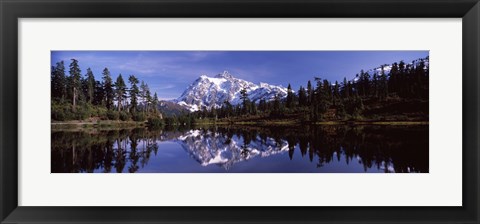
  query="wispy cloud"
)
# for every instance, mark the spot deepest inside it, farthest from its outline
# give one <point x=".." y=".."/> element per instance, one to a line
<point x="163" y="87"/>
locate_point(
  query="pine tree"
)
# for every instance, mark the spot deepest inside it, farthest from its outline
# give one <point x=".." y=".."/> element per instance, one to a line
<point x="76" y="82"/>
<point x="302" y="97"/>
<point x="364" y="83"/>
<point x="418" y="78"/>
<point x="90" y="80"/>
<point x="99" y="94"/>
<point x="327" y="90"/>
<point x="383" y="83"/>
<point x="336" y="93"/>
<point x="133" y="93"/>
<point x="393" y="78"/>
<point x="375" y="83"/>
<point x="309" y="93"/>
<point x="155" y="102"/>
<point x="322" y="98"/>
<point x="108" y="89"/>
<point x="244" y="98"/>
<point x="402" y="83"/>
<point x="276" y="105"/>
<point x="253" y="108"/>
<point x="59" y="82"/>
<point x="144" y="91"/>
<point x="149" y="100"/>
<point x="290" y="97"/>
<point x="120" y="91"/>
<point x="410" y="83"/>
<point x="345" y="88"/>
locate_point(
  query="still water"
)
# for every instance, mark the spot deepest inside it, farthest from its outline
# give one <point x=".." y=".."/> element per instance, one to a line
<point x="245" y="149"/>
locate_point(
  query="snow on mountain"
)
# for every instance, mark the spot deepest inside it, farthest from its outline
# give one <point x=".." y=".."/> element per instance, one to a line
<point x="378" y="70"/>
<point x="208" y="92"/>
<point x="388" y="67"/>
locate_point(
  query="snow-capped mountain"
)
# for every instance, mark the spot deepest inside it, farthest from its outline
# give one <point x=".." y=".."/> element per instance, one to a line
<point x="212" y="92"/>
<point x="388" y="67"/>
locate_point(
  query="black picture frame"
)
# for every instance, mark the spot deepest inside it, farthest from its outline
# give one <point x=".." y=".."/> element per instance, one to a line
<point x="11" y="11"/>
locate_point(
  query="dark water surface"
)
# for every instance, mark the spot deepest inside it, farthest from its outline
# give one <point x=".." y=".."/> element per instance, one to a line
<point x="245" y="149"/>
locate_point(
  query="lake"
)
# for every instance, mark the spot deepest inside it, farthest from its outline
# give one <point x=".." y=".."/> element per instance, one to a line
<point x="244" y="149"/>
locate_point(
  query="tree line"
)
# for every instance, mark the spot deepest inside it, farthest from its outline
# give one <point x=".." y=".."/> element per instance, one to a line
<point x="77" y="97"/>
<point x="324" y="100"/>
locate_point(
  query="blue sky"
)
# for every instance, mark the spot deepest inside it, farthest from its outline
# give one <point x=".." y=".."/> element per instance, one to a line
<point x="170" y="72"/>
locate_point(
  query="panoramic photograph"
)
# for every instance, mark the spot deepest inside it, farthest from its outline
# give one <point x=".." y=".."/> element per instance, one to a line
<point x="239" y="111"/>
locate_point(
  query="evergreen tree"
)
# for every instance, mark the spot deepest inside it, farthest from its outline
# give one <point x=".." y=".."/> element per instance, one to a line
<point x="290" y="97"/>
<point x="253" y="108"/>
<point x="90" y="80"/>
<point x="99" y="94"/>
<point x="144" y="91"/>
<point x="277" y="105"/>
<point x="120" y="91"/>
<point x="327" y="89"/>
<point x="302" y="97"/>
<point x="393" y="78"/>
<point x="155" y="102"/>
<point x="59" y="82"/>
<point x="383" y="85"/>
<point x="409" y="81"/>
<point x="345" y="88"/>
<point x="402" y="79"/>
<point x="107" y="89"/>
<point x="76" y="82"/>
<point x="336" y="93"/>
<point x="149" y="100"/>
<point x="245" y="100"/>
<point x="322" y="98"/>
<point x="364" y="83"/>
<point x="309" y="93"/>
<point x="133" y="93"/>
<point x="375" y="83"/>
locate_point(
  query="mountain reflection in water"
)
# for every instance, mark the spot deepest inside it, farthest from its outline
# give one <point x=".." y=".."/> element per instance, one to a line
<point x="245" y="149"/>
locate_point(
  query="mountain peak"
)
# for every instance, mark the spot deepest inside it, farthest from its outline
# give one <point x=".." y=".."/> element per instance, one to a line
<point x="225" y="74"/>
<point x="209" y="93"/>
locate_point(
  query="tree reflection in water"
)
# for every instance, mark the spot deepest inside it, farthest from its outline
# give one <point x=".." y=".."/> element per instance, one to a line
<point x="387" y="148"/>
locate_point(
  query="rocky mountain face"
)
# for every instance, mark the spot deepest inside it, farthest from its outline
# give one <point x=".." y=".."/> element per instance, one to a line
<point x="212" y="92"/>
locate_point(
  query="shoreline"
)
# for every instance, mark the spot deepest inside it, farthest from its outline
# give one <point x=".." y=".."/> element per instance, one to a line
<point x="100" y="124"/>
<point x="134" y="124"/>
